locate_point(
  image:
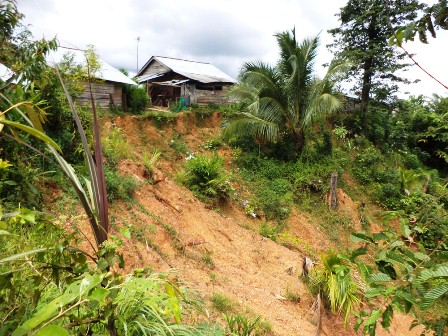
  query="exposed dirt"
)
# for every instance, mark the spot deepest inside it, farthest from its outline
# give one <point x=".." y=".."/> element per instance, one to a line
<point x="219" y="252"/>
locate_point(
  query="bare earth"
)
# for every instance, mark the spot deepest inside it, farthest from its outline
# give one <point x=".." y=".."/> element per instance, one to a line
<point x="252" y="270"/>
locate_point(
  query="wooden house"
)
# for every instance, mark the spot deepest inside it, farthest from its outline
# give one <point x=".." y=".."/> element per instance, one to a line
<point x="107" y="88"/>
<point x="168" y="79"/>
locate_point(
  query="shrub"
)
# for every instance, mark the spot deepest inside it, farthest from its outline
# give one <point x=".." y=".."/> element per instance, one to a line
<point x="275" y="198"/>
<point x="118" y="186"/>
<point x="204" y="175"/>
<point x="178" y="144"/>
<point x="137" y="98"/>
<point x="431" y="222"/>
<point x="270" y="231"/>
<point x="333" y="278"/>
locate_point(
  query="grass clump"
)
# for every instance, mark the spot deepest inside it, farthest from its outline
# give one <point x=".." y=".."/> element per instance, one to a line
<point x="222" y="303"/>
<point x="207" y="259"/>
<point x="241" y="325"/>
<point x="271" y="231"/>
<point x="292" y="296"/>
<point x="150" y="161"/>
<point x="115" y="146"/>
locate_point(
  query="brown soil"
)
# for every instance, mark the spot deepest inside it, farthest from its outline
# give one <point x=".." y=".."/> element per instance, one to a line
<point x="218" y="251"/>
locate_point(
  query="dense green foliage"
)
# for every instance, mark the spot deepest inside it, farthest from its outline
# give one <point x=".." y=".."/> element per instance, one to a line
<point x="204" y="175"/>
<point x="362" y="38"/>
<point x="283" y="101"/>
<point x="136" y="97"/>
<point x="390" y="152"/>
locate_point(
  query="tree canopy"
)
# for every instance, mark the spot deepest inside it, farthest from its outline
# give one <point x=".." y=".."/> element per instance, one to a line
<point x="362" y="38"/>
<point x="283" y="100"/>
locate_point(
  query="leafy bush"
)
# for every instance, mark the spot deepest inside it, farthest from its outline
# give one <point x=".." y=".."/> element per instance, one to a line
<point x="270" y="231"/>
<point x="366" y="163"/>
<point x="205" y="176"/>
<point x="118" y="186"/>
<point x="430" y="219"/>
<point x="274" y="198"/>
<point x="137" y="98"/>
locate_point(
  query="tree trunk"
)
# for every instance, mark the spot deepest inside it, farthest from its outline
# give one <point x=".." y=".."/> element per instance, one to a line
<point x="367" y="75"/>
<point x="365" y="93"/>
<point x="333" y="192"/>
<point x="299" y="137"/>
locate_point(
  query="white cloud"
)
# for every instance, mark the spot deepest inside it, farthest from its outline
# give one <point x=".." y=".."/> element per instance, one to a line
<point x="226" y="33"/>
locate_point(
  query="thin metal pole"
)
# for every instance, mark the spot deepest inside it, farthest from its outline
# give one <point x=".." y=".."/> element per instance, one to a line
<point x="138" y="40"/>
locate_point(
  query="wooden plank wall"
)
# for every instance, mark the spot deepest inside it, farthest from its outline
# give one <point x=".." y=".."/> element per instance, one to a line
<point x="102" y="93"/>
<point x="205" y="97"/>
<point x="153" y="68"/>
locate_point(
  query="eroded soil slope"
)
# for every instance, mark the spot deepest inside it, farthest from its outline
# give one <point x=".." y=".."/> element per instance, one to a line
<point x="216" y="251"/>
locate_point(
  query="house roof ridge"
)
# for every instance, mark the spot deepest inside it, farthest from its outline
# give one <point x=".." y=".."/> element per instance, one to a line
<point x="181" y="59"/>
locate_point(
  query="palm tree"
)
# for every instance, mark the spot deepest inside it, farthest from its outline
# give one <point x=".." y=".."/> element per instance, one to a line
<point x="283" y="100"/>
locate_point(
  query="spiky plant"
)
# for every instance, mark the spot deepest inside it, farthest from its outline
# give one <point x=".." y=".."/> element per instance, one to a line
<point x="335" y="281"/>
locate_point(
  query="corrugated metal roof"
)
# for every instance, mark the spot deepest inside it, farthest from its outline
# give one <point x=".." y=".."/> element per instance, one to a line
<point x="107" y="71"/>
<point x="201" y="72"/>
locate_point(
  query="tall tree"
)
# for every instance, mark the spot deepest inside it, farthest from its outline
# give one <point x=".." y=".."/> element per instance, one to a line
<point x="283" y="100"/>
<point x="362" y="38"/>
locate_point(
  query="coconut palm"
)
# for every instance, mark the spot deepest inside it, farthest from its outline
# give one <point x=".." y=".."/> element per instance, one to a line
<point x="283" y="100"/>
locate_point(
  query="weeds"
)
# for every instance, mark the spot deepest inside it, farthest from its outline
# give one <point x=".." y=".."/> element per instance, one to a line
<point x="222" y="303"/>
<point x="241" y="325"/>
<point x="116" y="147"/>
<point x="207" y="259"/>
<point x="292" y="296"/>
<point x="150" y="162"/>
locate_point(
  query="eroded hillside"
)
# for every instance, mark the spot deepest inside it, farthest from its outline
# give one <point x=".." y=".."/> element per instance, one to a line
<point x="217" y="250"/>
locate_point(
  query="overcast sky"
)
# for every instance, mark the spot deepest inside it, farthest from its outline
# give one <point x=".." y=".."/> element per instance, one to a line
<point x="226" y="33"/>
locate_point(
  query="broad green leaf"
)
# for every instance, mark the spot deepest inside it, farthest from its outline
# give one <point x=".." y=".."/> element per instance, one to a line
<point x="373" y="317"/>
<point x="387" y="316"/>
<point x="125" y="232"/>
<point x="74" y="291"/>
<point x="173" y="302"/>
<point x="34" y="117"/>
<point x="431" y="274"/>
<point x="359" y="237"/>
<point x="379" y="277"/>
<point x="435" y="293"/>
<point x="5" y="233"/>
<point x="99" y="294"/>
<point x="395" y="244"/>
<point x="358" y="252"/>
<point x="34" y="132"/>
<point x="379" y="236"/>
<point x="406" y="232"/>
<point x="52" y="330"/>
